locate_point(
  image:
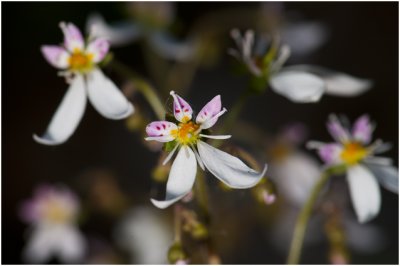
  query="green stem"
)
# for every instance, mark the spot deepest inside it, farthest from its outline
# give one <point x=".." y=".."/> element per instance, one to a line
<point x="142" y="85"/>
<point x="201" y="196"/>
<point x="177" y="222"/>
<point x="304" y="216"/>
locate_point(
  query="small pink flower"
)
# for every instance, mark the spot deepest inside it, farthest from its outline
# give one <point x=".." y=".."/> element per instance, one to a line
<point x="364" y="169"/>
<point x="78" y="61"/>
<point x="52" y="213"/>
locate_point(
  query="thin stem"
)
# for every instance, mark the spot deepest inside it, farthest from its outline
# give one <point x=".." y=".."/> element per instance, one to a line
<point x="143" y="86"/>
<point x="177" y="222"/>
<point x="201" y="196"/>
<point x="302" y="219"/>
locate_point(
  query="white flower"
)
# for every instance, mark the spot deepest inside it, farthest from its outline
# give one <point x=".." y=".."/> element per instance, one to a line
<point x="79" y="64"/>
<point x="144" y="234"/>
<point x="151" y="20"/>
<point x="188" y="138"/>
<point x="364" y="169"/>
<point x="52" y="214"/>
<point x="298" y="83"/>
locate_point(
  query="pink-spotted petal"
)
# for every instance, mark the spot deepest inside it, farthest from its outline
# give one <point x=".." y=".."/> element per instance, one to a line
<point x="73" y="39"/>
<point x="98" y="48"/>
<point x="162" y="131"/>
<point x="336" y="129"/>
<point x="182" y="110"/>
<point x="57" y="56"/>
<point x="362" y="129"/>
<point x="330" y="153"/>
<point x="211" y="109"/>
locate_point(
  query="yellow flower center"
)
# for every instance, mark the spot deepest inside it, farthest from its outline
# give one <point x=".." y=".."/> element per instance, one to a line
<point x="56" y="213"/>
<point x="80" y="61"/>
<point x="353" y="152"/>
<point x="186" y="133"/>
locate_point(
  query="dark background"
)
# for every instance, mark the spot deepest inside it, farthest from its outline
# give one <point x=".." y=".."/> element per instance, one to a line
<point x="363" y="42"/>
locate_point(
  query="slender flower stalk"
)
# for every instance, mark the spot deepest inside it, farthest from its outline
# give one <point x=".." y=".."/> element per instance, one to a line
<point x="142" y="85"/>
<point x="302" y="220"/>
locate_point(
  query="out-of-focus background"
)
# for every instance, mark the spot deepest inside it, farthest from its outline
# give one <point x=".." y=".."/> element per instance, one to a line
<point x="105" y="161"/>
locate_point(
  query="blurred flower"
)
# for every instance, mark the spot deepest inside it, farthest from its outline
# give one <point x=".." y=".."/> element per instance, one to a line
<point x="79" y="64"/>
<point x="52" y="213"/>
<point x="176" y="254"/>
<point x="151" y="21"/>
<point x="303" y="36"/>
<point x="299" y="83"/>
<point x="363" y="167"/>
<point x="187" y="134"/>
<point x="293" y="171"/>
<point x="144" y="234"/>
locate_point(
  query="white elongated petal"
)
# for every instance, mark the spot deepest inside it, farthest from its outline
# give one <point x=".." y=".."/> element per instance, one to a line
<point x="68" y="115"/>
<point x="39" y="247"/>
<point x="57" y="56"/>
<point x="98" y="48"/>
<point x="117" y="34"/>
<point x="106" y="98"/>
<point x="364" y="192"/>
<point x="169" y="48"/>
<point x="388" y="176"/>
<point x="337" y="83"/>
<point x="298" y="86"/>
<point x="181" y="178"/>
<point x="215" y="136"/>
<point x="227" y="168"/>
<point x="62" y="241"/>
<point x="72" y="245"/>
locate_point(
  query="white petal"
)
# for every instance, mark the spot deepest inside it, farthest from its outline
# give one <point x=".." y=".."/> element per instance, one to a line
<point x="215" y="136"/>
<point x="298" y="86"/>
<point x="337" y="83"/>
<point x="388" y="176"/>
<point x="117" y="34"/>
<point x="227" y="168"/>
<point x="67" y="116"/>
<point x="39" y="247"/>
<point x="364" y="192"/>
<point x="71" y="245"/>
<point x="181" y="178"/>
<point x="106" y="98"/>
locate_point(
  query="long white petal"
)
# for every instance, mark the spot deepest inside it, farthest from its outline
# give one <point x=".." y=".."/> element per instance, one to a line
<point x="106" y="98"/>
<point x="227" y="168"/>
<point x="68" y="115"/>
<point x="298" y="86"/>
<point x="181" y="178"/>
<point x="72" y="245"/>
<point x="364" y="192"/>
<point x="388" y="176"/>
<point x="39" y="247"/>
<point x="215" y="136"/>
<point x="337" y="83"/>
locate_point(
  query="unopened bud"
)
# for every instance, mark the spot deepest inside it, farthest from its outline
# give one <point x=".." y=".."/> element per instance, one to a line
<point x="176" y="255"/>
